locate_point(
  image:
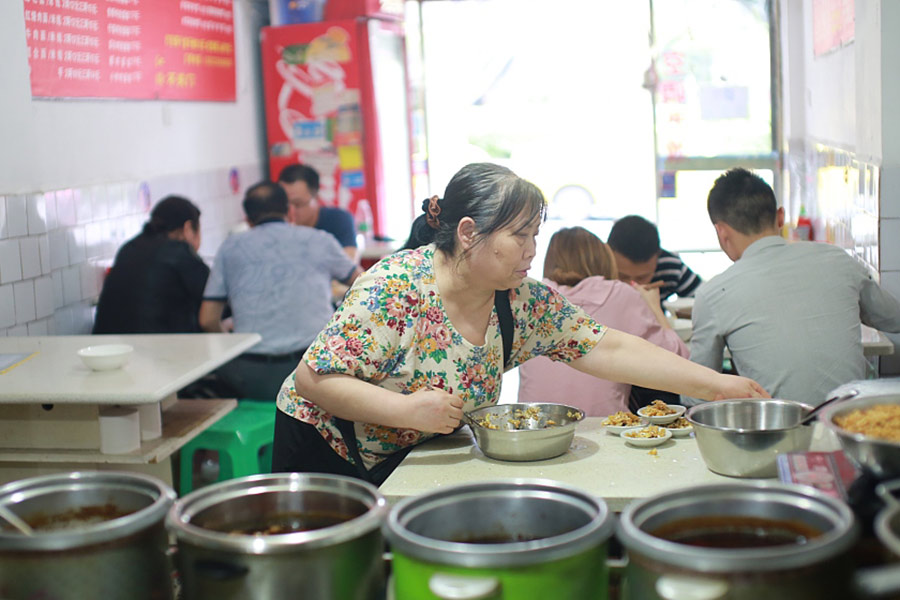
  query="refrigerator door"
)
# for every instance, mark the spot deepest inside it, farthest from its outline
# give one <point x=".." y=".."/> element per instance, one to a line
<point x="390" y="95"/>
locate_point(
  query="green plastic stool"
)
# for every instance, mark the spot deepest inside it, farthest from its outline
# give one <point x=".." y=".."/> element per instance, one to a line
<point x="242" y="438"/>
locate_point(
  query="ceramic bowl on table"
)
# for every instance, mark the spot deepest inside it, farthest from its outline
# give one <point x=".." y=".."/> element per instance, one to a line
<point x="627" y="418"/>
<point x="743" y="438"/>
<point x="680" y="427"/>
<point x="105" y="357"/>
<point x="524" y="432"/>
<point x="645" y="442"/>
<point x="678" y="411"/>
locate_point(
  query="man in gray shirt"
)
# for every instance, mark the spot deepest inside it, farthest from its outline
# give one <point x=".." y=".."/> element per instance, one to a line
<point x="277" y="279"/>
<point x="789" y="313"/>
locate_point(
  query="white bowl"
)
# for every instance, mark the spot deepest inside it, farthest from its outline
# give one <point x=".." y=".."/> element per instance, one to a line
<point x="681" y="431"/>
<point x="105" y="357"/>
<point x="617" y="429"/>
<point x="645" y="442"/>
<point x="679" y="411"/>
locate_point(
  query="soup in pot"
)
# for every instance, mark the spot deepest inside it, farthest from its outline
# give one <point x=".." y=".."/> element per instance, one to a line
<point x="735" y="532"/>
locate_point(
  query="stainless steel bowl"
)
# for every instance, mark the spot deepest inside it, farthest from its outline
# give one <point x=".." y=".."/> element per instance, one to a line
<point x="532" y="439"/>
<point x="880" y="458"/>
<point x="742" y="438"/>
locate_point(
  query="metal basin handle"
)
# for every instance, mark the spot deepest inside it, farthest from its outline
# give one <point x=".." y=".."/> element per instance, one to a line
<point x="463" y="587"/>
<point x="811" y="415"/>
<point x="686" y="587"/>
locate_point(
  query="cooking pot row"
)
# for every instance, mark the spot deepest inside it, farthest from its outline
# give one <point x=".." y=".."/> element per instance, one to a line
<point x="107" y="535"/>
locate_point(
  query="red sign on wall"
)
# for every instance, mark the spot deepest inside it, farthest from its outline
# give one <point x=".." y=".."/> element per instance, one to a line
<point x="139" y="49"/>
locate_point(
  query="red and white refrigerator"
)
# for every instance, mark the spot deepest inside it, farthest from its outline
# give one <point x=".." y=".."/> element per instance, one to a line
<point x="336" y="97"/>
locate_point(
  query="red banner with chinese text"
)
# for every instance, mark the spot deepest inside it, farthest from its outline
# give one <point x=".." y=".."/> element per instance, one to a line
<point x="136" y="49"/>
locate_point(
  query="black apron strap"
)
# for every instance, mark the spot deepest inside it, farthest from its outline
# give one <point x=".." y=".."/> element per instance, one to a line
<point x="504" y="314"/>
<point x="379" y="472"/>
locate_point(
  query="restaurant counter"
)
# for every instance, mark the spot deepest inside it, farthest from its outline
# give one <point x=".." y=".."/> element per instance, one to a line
<point x="597" y="462"/>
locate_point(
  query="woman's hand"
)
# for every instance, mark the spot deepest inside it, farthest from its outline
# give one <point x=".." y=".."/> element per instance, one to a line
<point x="433" y="411"/>
<point x="733" y="386"/>
<point x="650" y="296"/>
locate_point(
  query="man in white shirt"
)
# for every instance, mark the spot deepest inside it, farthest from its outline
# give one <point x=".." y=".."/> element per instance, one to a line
<point x="789" y="313"/>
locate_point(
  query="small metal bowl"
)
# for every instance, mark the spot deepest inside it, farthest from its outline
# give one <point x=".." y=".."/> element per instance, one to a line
<point x="743" y="438"/>
<point x="530" y="438"/>
<point x="877" y="457"/>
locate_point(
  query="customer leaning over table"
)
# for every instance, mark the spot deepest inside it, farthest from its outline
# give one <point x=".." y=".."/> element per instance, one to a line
<point x="789" y="313"/>
<point x="640" y="259"/>
<point x="276" y="278"/>
<point x="582" y="268"/>
<point x="418" y="340"/>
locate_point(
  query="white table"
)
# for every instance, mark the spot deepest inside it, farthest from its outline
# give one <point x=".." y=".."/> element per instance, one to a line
<point x="50" y="403"/>
<point x="597" y="462"/>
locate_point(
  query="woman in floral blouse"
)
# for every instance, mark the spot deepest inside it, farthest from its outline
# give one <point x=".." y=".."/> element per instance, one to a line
<point x="417" y="339"/>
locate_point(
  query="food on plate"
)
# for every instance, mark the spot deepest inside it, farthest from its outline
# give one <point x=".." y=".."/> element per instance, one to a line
<point x="621" y="419"/>
<point x="881" y="421"/>
<point x="653" y="452"/>
<point x="679" y="423"/>
<point x="658" y="408"/>
<point x="648" y="432"/>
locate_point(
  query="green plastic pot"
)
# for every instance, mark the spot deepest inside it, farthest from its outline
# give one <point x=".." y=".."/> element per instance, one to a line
<point x="501" y="540"/>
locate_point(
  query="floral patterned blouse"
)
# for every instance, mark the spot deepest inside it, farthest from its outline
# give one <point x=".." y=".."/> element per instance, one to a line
<point x="392" y="331"/>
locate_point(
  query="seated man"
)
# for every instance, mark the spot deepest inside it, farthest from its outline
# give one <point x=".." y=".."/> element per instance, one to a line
<point x="790" y="313"/>
<point x="302" y="186"/>
<point x="635" y="244"/>
<point x="301" y="183"/>
<point x="277" y="280"/>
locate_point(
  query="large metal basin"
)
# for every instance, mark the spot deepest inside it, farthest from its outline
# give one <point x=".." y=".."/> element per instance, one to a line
<point x="742" y="438"/>
<point x="532" y="439"/>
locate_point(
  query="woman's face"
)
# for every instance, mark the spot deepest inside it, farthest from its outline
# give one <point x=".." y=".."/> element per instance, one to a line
<point x="503" y="259"/>
<point x="192" y="236"/>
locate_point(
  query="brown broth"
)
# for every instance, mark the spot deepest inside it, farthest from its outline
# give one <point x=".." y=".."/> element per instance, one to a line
<point x="736" y="532"/>
<point x="75" y="518"/>
<point x="291" y="523"/>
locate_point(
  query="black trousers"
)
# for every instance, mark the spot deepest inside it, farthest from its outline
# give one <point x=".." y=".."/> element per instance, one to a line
<point x="299" y="447"/>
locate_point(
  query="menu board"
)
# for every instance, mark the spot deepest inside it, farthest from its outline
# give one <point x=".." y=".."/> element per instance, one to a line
<point x="137" y="49"/>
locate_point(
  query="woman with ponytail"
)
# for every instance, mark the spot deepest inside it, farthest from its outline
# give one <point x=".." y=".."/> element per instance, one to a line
<point x="156" y="282"/>
<point x="418" y="338"/>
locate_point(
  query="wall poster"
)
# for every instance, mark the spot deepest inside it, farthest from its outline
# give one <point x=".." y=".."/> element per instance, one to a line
<point x="133" y="49"/>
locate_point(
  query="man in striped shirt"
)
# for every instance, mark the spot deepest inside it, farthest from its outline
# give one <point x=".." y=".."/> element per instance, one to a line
<point x="635" y="244"/>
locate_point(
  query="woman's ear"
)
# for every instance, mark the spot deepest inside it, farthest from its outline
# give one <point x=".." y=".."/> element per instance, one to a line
<point x="466" y="232"/>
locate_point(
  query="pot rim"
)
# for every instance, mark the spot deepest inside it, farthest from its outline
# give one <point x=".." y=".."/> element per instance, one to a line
<point x="179" y="518"/>
<point x="706" y="406"/>
<point x="13" y="493"/>
<point x="727" y="560"/>
<point x="509" y="554"/>
<point x="826" y="417"/>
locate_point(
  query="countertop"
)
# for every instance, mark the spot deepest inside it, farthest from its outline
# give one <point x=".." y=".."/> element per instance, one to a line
<point x="597" y="462"/>
<point x="159" y="366"/>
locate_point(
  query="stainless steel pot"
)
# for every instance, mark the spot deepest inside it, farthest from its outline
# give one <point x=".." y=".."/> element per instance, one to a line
<point x="504" y="539"/>
<point x="659" y="568"/>
<point x="877" y="457"/>
<point x="97" y="535"/>
<point x="743" y="438"/>
<point x="285" y="535"/>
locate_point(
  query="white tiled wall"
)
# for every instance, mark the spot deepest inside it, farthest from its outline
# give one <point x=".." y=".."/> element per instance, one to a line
<point x="55" y="245"/>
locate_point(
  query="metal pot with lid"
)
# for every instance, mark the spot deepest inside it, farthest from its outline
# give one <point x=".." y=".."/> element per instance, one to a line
<point x="284" y="535"/>
<point x="519" y="538"/>
<point x="94" y="535"/>
<point x="738" y="541"/>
